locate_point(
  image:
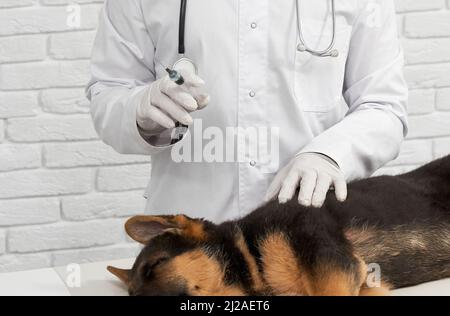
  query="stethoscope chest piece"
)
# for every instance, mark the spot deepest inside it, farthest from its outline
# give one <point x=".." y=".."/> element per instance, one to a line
<point x="185" y="64"/>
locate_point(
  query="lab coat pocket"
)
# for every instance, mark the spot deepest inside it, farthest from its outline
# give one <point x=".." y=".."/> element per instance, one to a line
<point x="319" y="81"/>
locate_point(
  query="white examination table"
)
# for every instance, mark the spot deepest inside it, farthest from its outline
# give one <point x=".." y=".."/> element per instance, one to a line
<point x="95" y="281"/>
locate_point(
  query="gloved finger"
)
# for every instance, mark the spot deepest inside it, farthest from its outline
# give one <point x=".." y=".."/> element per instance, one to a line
<point x="275" y="185"/>
<point x="191" y="80"/>
<point x="178" y="113"/>
<point x="156" y="115"/>
<point x="202" y="100"/>
<point x="195" y="85"/>
<point x="307" y="185"/>
<point x="320" y="192"/>
<point x="186" y="100"/>
<point x="289" y="186"/>
<point x="178" y="94"/>
<point x="340" y="189"/>
<point x="199" y="94"/>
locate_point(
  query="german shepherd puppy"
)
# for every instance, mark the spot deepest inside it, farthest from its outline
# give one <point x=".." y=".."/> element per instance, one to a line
<point x="398" y="223"/>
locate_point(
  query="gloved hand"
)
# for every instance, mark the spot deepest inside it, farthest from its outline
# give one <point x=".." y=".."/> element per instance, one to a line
<point x="315" y="173"/>
<point x="165" y="103"/>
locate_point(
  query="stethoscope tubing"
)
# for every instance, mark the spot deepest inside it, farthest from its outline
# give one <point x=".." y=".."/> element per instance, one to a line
<point x="329" y="51"/>
<point x="182" y="27"/>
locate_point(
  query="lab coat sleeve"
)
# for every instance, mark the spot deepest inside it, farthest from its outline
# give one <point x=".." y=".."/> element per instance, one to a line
<point x="121" y="68"/>
<point x="376" y="92"/>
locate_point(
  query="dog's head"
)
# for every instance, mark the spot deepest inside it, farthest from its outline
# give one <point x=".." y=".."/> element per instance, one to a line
<point x="181" y="256"/>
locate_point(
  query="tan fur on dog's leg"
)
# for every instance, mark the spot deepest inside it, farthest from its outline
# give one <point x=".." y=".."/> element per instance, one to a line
<point x="335" y="284"/>
<point x="332" y="281"/>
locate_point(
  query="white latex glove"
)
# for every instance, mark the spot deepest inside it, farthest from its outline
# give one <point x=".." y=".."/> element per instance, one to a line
<point x="315" y="173"/>
<point x="165" y="103"/>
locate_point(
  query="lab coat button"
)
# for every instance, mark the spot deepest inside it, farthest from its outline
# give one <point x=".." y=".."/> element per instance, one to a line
<point x="254" y="25"/>
<point x="252" y="163"/>
<point x="252" y="94"/>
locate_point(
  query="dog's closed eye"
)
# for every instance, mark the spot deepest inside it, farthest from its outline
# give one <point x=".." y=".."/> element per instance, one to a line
<point x="149" y="267"/>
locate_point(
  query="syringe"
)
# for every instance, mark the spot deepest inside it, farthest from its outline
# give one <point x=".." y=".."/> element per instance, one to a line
<point x="175" y="76"/>
<point x="180" y="129"/>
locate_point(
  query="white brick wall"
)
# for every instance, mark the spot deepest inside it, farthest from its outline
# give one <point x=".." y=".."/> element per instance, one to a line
<point x="425" y="31"/>
<point x="64" y="195"/>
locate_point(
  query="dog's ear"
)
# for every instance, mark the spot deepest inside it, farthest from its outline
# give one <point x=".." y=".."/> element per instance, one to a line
<point x="122" y="274"/>
<point x="145" y="228"/>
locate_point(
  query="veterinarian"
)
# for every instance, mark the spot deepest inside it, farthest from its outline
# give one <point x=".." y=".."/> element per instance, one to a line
<point x="340" y="111"/>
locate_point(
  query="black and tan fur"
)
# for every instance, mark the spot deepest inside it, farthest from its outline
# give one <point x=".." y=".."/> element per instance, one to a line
<point x="401" y="223"/>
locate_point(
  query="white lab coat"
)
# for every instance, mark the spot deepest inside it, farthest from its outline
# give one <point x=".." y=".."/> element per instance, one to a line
<point x="351" y="108"/>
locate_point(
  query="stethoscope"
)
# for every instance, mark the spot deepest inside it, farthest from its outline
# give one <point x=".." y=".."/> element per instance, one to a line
<point x="183" y="61"/>
<point x="330" y="51"/>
